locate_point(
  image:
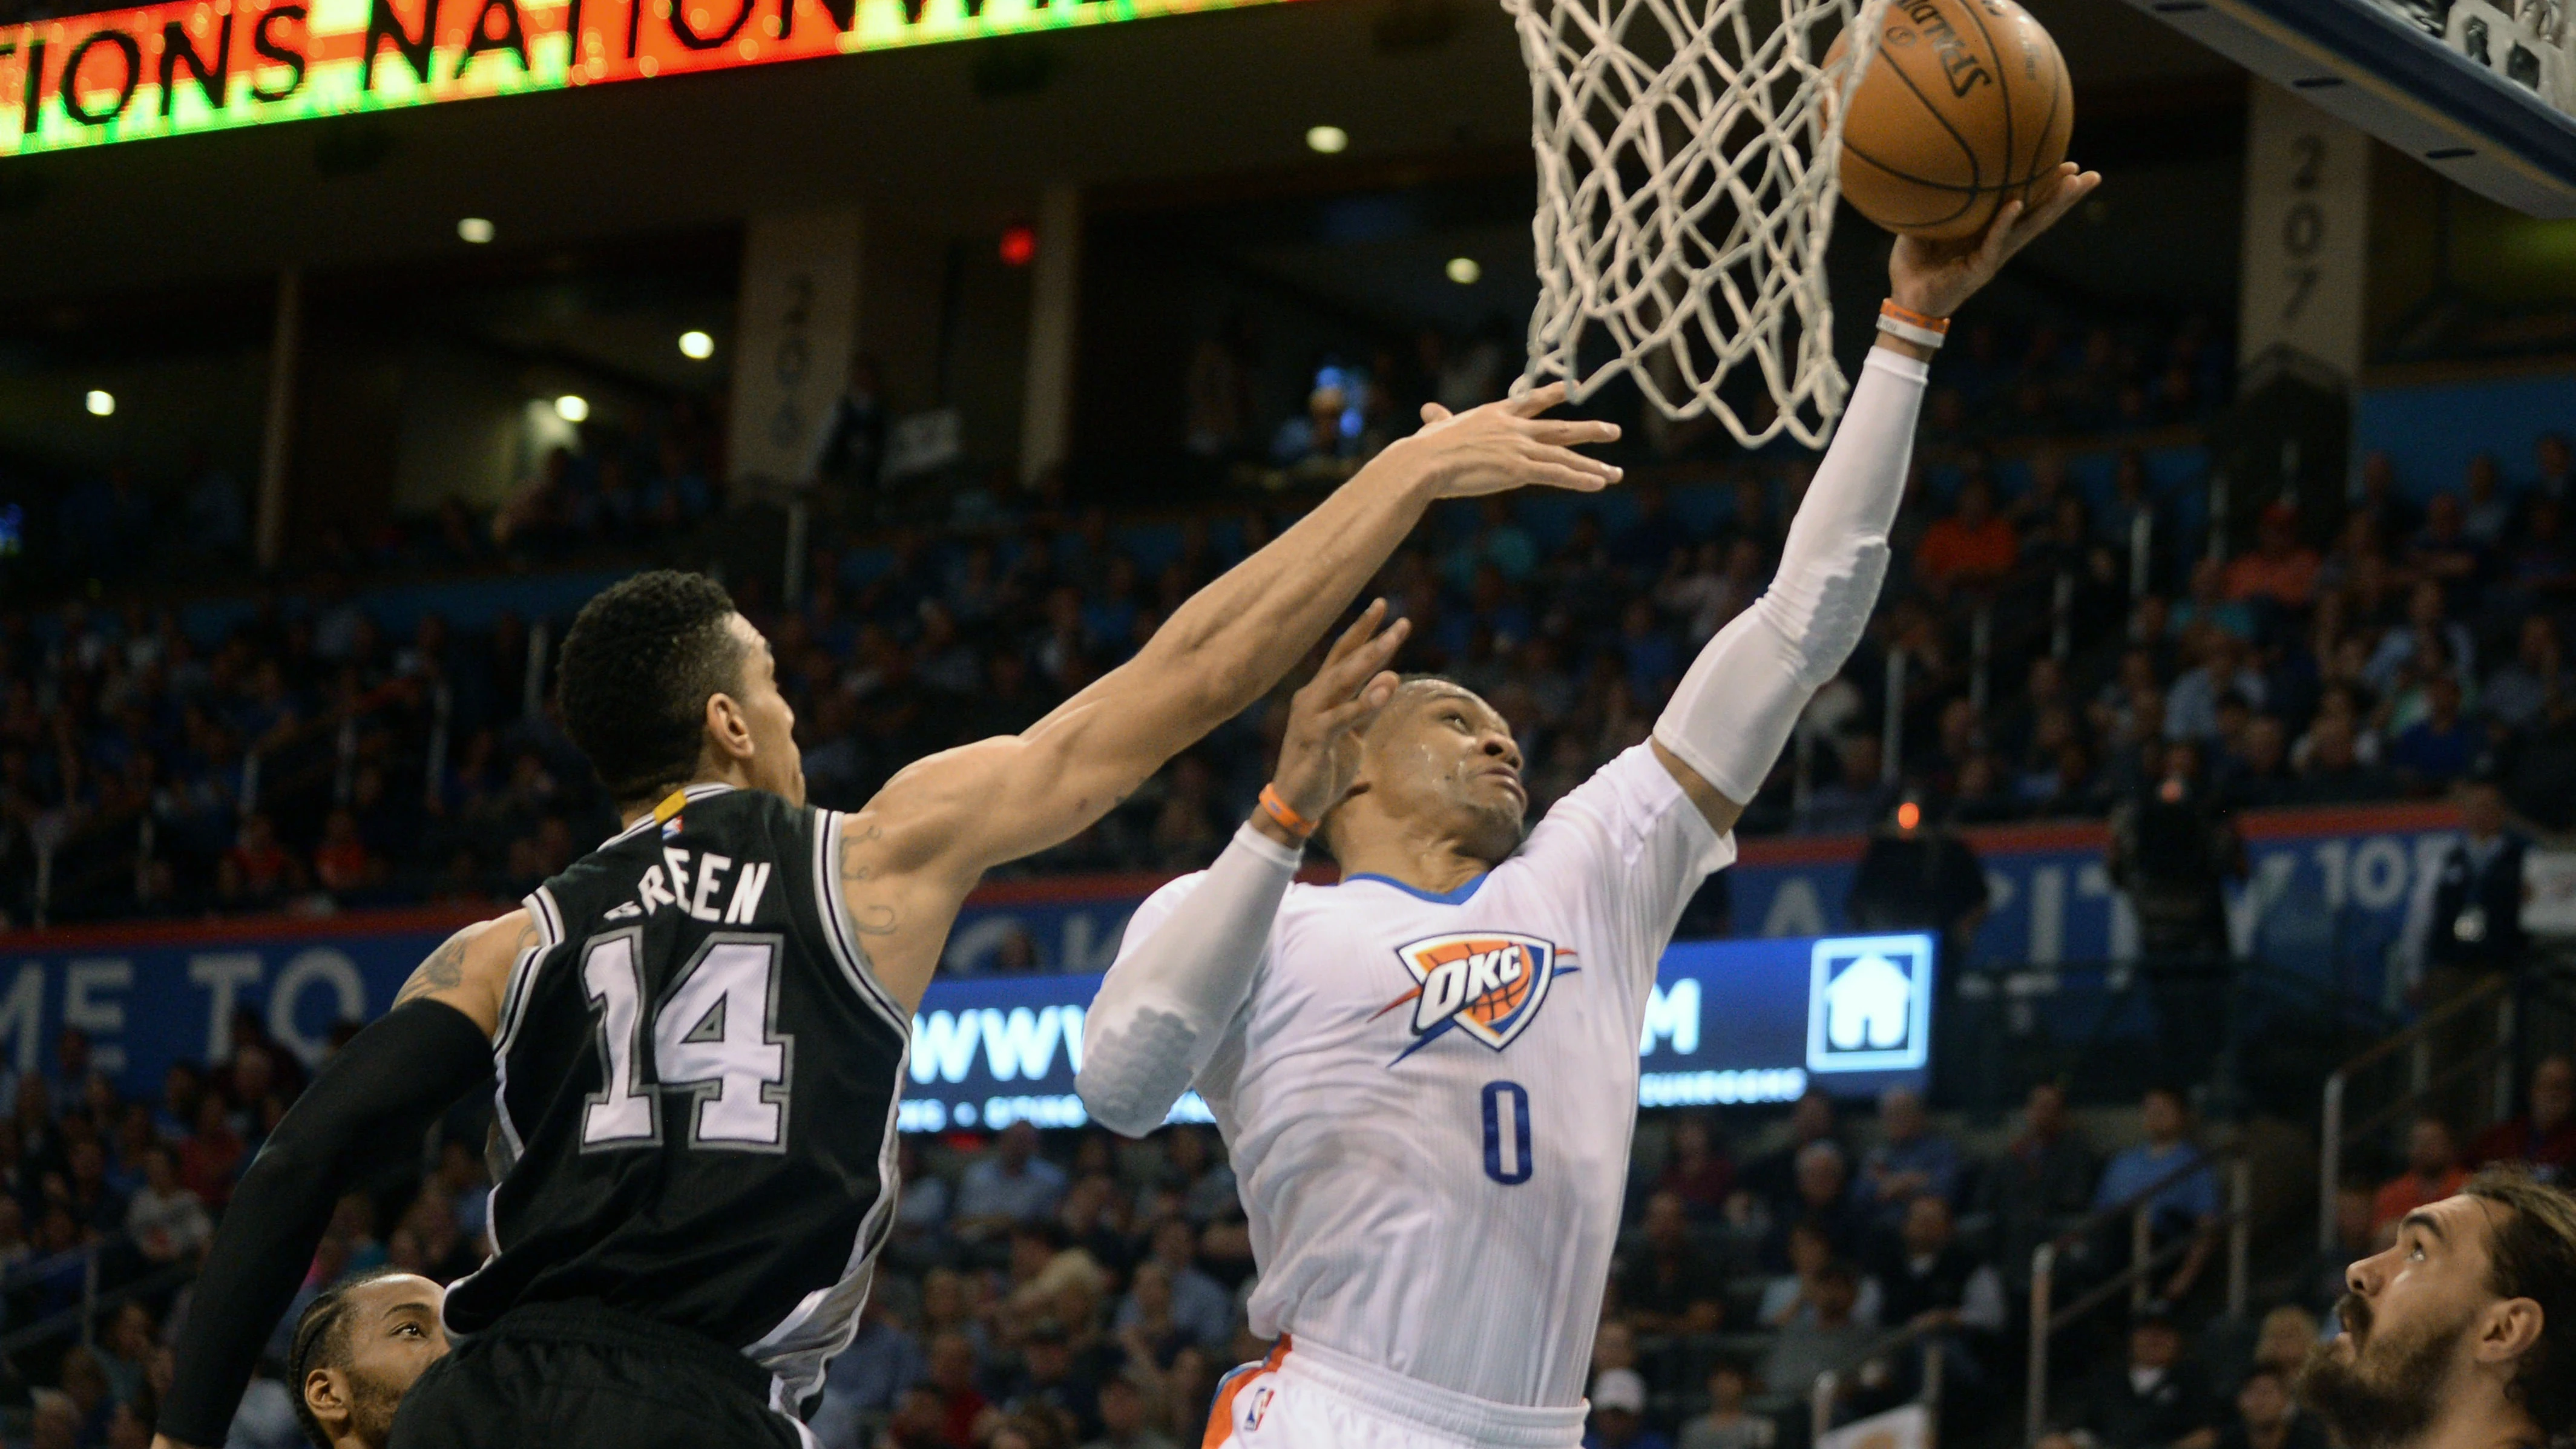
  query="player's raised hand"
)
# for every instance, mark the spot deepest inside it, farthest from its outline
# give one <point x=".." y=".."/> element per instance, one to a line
<point x="1506" y="445"/>
<point x="1319" y="754"/>
<point x="1936" y="278"/>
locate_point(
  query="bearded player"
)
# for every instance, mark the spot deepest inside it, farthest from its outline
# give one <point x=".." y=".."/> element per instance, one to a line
<point x="695" y="1035"/>
<point x="2462" y="1333"/>
<point x="1428" y="1074"/>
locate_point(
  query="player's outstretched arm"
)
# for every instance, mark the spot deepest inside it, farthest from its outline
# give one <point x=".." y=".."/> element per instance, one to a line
<point x="370" y="1105"/>
<point x="1734" y="709"/>
<point x="910" y="857"/>
<point x="1188" y="959"/>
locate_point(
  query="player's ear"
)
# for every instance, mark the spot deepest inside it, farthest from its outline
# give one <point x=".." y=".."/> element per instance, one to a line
<point x="2507" y="1330"/>
<point x="326" y="1393"/>
<point x="728" y="728"/>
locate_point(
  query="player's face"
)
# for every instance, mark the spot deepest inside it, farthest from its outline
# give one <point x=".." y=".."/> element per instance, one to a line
<point x="1443" y="756"/>
<point x="393" y="1336"/>
<point x="776" y="764"/>
<point x="2407" y="1323"/>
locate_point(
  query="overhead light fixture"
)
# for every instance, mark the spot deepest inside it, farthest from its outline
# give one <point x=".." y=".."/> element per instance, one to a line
<point x="1464" y="271"/>
<point x="572" y="407"/>
<point x="697" y="346"/>
<point x="474" y="229"/>
<point x="1327" y="140"/>
<point x="100" y="403"/>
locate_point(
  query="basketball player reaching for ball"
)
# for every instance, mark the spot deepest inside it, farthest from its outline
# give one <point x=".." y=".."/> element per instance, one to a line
<point x="1428" y="1074"/>
<point x="697" y="1031"/>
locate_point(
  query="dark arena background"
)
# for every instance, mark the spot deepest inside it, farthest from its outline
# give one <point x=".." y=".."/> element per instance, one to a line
<point x="347" y="347"/>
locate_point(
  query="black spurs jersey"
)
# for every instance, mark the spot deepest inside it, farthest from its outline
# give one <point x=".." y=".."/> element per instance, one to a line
<point x="697" y="1082"/>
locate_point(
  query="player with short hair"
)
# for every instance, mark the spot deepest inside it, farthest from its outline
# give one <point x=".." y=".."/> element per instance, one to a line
<point x="358" y="1348"/>
<point x="695" y="1036"/>
<point x="2462" y="1333"/>
<point x="1427" y="1074"/>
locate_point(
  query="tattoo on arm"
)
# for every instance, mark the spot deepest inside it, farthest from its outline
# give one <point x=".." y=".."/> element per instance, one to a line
<point x="867" y="920"/>
<point x="443" y="971"/>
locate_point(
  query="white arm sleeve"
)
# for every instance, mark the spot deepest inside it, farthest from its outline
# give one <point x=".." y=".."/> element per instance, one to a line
<point x="1736" y="706"/>
<point x="1183" y="971"/>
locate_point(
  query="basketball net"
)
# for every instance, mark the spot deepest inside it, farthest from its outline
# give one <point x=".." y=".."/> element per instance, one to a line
<point x="1688" y="164"/>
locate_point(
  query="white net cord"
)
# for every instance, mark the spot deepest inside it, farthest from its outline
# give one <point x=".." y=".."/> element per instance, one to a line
<point x="1688" y="158"/>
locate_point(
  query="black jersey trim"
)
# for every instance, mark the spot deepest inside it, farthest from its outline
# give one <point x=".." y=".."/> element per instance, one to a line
<point x="846" y="950"/>
<point x="799" y="1365"/>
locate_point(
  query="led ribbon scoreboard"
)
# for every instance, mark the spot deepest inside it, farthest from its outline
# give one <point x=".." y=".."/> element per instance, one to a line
<point x="202" y="65"/>
<point x="1727" y="1022"/>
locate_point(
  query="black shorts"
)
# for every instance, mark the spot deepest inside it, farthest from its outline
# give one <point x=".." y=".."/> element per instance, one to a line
<point x="572" y="1376"/>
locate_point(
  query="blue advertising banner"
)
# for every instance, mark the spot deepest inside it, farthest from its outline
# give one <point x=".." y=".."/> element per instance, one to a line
<point x="2327" y="894"/>
<point x="155" y="995"/>
<point x="1728" y="1022"/>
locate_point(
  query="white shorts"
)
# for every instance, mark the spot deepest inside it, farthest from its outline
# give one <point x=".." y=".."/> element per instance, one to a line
<point x="1306" y="1396"/>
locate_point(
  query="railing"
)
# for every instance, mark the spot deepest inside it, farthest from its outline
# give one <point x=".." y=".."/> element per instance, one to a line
<point x="1891" y="728"/>
<point x="318" y="753"/>
<point x="2046" y="1319"/>
<point x="1827" y="1390"/>
<point x="2424" y="1083"/>
<point x="2096" y="1022"/>
<point x="83" y="1317"/>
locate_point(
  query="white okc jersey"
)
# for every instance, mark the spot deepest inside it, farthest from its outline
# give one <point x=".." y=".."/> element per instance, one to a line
<point x="1428" y="1099"/>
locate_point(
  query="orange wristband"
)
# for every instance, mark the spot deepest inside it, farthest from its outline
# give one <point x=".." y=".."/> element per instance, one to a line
<point x="1889" y="308"/>
<point x="1288" y="819"/>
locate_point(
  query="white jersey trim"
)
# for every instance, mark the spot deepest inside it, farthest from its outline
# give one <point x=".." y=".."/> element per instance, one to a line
<point x="825" y="1321"/>
<point x="838" y="928"/>
<point x="547" y="916"/>
<point x="1406" y="1400"/>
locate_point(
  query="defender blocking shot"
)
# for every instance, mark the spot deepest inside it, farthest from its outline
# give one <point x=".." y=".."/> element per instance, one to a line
<point x="694" y="1037"/>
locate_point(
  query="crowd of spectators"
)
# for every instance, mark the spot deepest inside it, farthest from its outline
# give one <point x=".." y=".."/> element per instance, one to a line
<point x="1074" y="1289"/>
<point x="304" y="752"/>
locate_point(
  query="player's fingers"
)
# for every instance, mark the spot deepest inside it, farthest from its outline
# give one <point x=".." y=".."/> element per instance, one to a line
<point x="2072" y="185"/>
<point x="1998" y="242"/>
<point x="1358" y="633"/>
<point x="1433" y="412"/>
<point x="1344" y="716"/>
<point x="1569" y="432"/>
<point x="1573" y="480"/>
<point x="1348" y="672"/>
<point x="1535" y="401"/>
<point x="1548" y="454"/>
<point x="2073" y="190"/>
<point x="1371" y="698"/>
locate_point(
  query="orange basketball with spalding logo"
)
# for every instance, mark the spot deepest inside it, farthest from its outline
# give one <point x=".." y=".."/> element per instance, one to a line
<point x="1964" y="107"/>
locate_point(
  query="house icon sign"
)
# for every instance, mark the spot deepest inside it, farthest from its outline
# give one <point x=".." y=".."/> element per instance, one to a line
<point x="1869" y="1004"/>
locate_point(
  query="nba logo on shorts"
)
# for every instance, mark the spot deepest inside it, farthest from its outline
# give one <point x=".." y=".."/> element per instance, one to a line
<point x="1869" y="1004"/>
<point x="1256" y="1404"/>
<point x="1488" y="984"/>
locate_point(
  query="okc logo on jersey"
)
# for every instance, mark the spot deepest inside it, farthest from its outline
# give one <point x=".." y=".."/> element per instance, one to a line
<point x="1488" y="984"/>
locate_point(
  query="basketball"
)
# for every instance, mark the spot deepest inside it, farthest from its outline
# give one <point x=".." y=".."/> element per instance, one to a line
<point x="1964" y="107"/>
